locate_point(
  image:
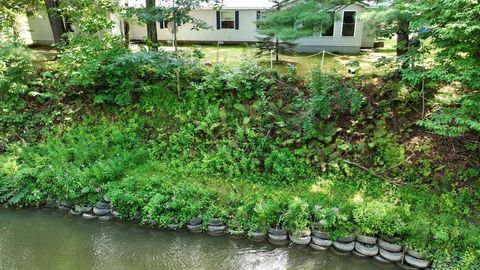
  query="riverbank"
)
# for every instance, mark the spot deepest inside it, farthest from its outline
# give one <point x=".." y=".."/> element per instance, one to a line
<point x="168" y="140"/>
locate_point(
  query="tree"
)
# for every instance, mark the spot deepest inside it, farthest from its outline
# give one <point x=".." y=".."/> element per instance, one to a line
<point x="177" y="12"/>
<point x="10" y="9"/>
<point x="151" y="24"/>
<point x="56" y="21"/>
<point x="452" y="28"/>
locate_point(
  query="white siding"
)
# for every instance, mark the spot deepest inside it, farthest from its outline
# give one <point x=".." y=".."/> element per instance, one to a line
<point x="40" y="30"/>
<point x="337" y="42"/>
<point x="247" y="31"/>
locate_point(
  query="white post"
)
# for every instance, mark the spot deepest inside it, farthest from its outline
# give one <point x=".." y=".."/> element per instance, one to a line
<point x="323" y="59"/>
<point x="271" y="59"/>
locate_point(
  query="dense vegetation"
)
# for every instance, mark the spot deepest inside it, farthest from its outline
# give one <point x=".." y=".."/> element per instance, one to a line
<point x="168" y="139"/>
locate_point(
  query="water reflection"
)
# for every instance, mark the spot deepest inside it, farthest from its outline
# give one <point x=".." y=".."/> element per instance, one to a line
<point x="36" y="239"/>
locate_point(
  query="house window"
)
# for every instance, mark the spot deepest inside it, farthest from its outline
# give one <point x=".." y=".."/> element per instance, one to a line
<point x="227" y="19"/>
<point x="348" y="26"/>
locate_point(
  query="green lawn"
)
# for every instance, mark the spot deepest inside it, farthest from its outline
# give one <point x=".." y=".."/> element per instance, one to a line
<point x="232" y="55"/>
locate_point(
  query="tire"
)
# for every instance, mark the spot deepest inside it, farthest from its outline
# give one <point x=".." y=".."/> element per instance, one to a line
<point x="106" y="218"/>
<point x="346" y="239"/>
<point x="415" y="254"/>
<point x="74" y="212"/>
<point x="369" y="240"/>
<point x="66" y="204"/>
<point x="64" y="208"/>
<point x="366" y="250"/>
<point x="257" y="236"/>
<point x="89" y="216"/>
<point x="278" y="237"/>
<point x="194" y="228"/>
<point x="391" y="256"/>
<point x="279" y="232"/>
<point x="317" y="247"/>
<point x="220" y="228"/>
<point x="321" y="242"/>
<point x="390" y="239"/>
<point x="344" y="247"/>
<point x="419" y="263"/>
<point x="83" y="209"/>
<point x="215" y="222"/>
<point x="102" y="205"/>
<point x="389" y="246"/>
<point x="300" y="240"/>
<point x="195" y="222"/>
<point x="322" y="235"/>
<point x="379" y="258"/>
<point x="101" y="212"/>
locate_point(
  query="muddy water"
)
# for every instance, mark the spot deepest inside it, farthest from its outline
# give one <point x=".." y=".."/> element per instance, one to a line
<point x="39" y="239"/>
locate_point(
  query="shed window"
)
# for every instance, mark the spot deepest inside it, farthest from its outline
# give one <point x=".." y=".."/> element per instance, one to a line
<point x="227" y="19"/>
<point x="348" y="27"/>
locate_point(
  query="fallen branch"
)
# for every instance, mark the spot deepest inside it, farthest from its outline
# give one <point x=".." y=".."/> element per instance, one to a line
<point x="364" y="168"/>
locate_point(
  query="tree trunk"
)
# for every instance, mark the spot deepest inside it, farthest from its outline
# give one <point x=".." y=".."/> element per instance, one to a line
<point x="277" y="49"/>
<point x="126" y="32"/>
<point x="56" y="21"/>
<point x="403" y="40"/>
<point x="152" y="26"/>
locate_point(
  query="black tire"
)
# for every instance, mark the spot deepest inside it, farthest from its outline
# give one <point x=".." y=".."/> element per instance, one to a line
<point x="321" y="242"/>
<point x="322" y="235"/>
<point x="300" y="240"/>
<point x="278" y="237"/>
<point x="369" y="240"/>
<point x="391" y="256"/>
<point x="195" y="222"/>
<point x="317" y="247"/>
<point x="89" y="216"/>
<point x="105" y="218"/>
<point x="380" y="259"/>
<point x="346" y="239"/>
<point x="220" y="228"/>
<point x="194" y="228"/>
<point x="215" y="222"/>
<point x="390" y="239"/>
<point x="279" y="232"/>
<point x="419" y="263"/>
<point x="415" y="254"/>
<point x="101" y="211"/>
<point x="102" y="205"/>
<point x="389" y="246"/>
<point x="344" y="247"/>
<point x="366" y="249"/>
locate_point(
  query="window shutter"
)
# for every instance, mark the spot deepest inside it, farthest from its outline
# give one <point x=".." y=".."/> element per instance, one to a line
<point x="258" y="14"/>
<point x="237" y="20"/>
<point x="162" y="25"/>
<point x="218" y="20"/>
